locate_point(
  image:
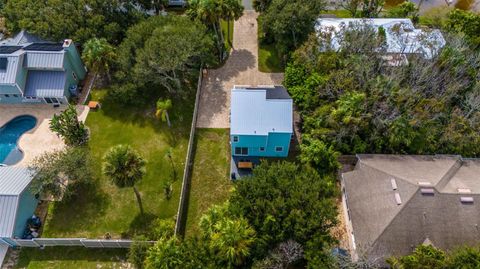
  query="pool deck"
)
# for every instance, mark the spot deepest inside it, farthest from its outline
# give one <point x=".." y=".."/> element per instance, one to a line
<point x="40" y="139"/>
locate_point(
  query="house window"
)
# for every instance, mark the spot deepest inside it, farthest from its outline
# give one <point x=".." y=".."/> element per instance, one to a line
<point x="74" y="76"/>
<point x="15" y="95"/>
<point x="235" y="139"/>
<point x="241" y="151"/>
<point x="262" y="149"/>
<point x="278" y="149"/>
<point x="6" y="95"/>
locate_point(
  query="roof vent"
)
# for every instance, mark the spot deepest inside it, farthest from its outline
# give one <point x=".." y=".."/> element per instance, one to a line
<point x="427" y="191"/>
<point x="67" y="43"/>
<point x="460" y="190"/>
<point x="466" y="200"/>
<point x="398" y="199"/>
<point x="394" y="183"/>
<point x="424" y="183"/>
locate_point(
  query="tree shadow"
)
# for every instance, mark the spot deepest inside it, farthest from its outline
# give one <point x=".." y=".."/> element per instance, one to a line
<point x="141" y="225"/>
<point x="50" y="254"/>
<point x="79" y="210"/>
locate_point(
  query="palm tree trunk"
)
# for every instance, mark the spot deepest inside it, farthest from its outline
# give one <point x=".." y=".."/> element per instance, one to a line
<point x="139" y="199"/>
<point x="228" y="34"/>
<point x="168" y="119"/>
<point x="219" y="40"/>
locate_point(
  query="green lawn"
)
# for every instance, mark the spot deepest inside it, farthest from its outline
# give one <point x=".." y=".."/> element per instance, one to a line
<point x="269" y="60"/>
<point x="340" y="13"/>
<point x="72" y="257"/>
<point x="102" y="207"/>
<point x="210" y="175"/>
<point x="224" y="25"/>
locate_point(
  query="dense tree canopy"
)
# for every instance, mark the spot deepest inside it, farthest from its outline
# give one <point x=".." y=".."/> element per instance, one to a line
<point x="287" y="23"/>
<point x="430" y="257"/>
<point x="466" y="22"/>
<point x="282" y="202"/>
<point x="77" y="19"/>
<point x="157" y="54"/>
<point x="352" y="100"/>
<point x="57" y="173"/>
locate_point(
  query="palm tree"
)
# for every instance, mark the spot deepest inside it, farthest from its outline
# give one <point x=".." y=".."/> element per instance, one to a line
<point x="232" y="240"/>
<point x="97" y="55"/>
<point x="230" y="10"/>
<point x="125" y="167"/>
<point x="163" y="106"/>
<point x="207" y="12"/>
<point x="211" y="12"/>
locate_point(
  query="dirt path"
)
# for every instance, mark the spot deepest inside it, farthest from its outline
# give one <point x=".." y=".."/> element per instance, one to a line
<point x="241" y="68"/>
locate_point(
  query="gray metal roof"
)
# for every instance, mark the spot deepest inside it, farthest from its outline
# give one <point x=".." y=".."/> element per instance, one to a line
<point x="8" y="76"/>
<point x="13" y="181"/>
<point x="44" y="60"/>
<point x="253" y="114"/>
<point x="45" y="83"/>
<point x="8" y="213"/>
<point x="382" y="227"/>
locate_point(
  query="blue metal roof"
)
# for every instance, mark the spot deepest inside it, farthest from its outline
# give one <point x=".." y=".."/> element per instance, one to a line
<point x="252" y="113"/>
<point x="45" y="83"/>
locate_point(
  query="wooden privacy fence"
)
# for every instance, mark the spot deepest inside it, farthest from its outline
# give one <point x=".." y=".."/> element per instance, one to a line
<point x="72" y="242"/>
<point x="183" y="204"/>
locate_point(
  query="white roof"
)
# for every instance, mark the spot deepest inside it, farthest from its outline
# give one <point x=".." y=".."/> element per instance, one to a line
<point x="401" y="34"/>
<point x="252" y="113"/>
<point x="13" y="181"/>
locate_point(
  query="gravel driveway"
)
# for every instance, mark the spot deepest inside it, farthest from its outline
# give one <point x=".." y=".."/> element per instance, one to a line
<point x="241" y="68"/>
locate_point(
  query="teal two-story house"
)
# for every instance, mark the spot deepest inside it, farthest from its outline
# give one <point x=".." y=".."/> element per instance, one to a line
<point x="36" y="71"/>
<point x="261" y="122"/>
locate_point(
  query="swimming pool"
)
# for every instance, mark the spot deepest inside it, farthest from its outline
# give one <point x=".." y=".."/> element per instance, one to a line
<point x="9" y="135"/>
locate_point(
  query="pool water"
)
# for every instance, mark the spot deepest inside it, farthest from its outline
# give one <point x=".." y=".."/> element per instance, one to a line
<point x="9" y="135"/>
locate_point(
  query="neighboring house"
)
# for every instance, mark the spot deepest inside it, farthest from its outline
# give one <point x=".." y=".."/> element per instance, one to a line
<point x="17" y="203"/>
<point x="261" y="121"/>
<point x="36" y="71"/>
<point x="401" y="36"/>
<point x="393" y="203"/>
<point x="177" y="3"/>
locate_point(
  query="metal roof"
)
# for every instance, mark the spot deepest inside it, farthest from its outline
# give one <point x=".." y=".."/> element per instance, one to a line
<point x="401" y="34"/>
<point x="13" y="181"/>
<point x="44" y="60"/>
<point x="8" y="76"/>
<point x="253" y="114"/>
<point x="45" y="83"/>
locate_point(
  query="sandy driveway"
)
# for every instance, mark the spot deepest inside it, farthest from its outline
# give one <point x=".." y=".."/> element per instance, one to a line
<point x="241" y="68"/>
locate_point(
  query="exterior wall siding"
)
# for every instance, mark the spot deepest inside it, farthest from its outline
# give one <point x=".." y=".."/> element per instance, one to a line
<point x="75" y="62"/>
<point x="9" y="89"/>
<point x="269" y="143"/>
<point x="26" y="207"/>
